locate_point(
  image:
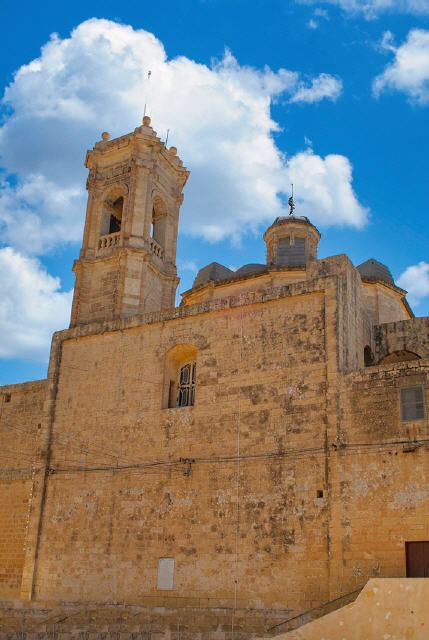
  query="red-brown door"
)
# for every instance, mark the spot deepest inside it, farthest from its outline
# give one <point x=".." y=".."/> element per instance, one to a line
<point x="417" y="559"/>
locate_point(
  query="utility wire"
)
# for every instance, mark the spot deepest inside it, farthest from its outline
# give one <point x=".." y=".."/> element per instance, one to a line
<point x="269" y="455"/>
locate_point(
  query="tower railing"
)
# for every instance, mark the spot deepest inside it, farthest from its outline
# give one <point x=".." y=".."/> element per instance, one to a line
<point x="156" y="249"/>
<point x="109" y="241"/>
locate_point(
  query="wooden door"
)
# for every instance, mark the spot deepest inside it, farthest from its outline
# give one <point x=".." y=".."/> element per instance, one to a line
<point x="417" y="559"/>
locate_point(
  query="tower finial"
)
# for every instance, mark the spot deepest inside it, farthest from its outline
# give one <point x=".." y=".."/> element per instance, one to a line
<point x="149" y="73"/>
<point x="291" y="203"/>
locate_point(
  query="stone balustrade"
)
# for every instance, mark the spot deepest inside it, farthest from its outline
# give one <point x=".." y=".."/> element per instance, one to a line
<point x="156" y="249"/>
<point x="109" y="241"/>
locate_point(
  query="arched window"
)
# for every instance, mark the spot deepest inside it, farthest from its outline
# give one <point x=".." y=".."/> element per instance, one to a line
<point x="180" y="376"/>
<point x="111" y="217"/>
<point x="368" y="358"/>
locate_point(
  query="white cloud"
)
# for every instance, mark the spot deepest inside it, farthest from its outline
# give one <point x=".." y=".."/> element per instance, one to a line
<point x="31" y="307"/>
<point x="324" y="86"/>
<point x="327" y="187"/>
<point x="38" y="213"/>
<point x="321" y="13"/>
<point x="409" y="71"/>
<point x="187" y="265"/>
<point x="218" y="116"/>
<point x="415" y="280"/>
<point x="372" y="8"/>
<point x="312" y="24"/>
<point x="318" y="14"/>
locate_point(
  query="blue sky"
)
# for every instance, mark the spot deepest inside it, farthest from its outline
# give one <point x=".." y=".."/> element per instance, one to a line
<point x="332" y="95"/>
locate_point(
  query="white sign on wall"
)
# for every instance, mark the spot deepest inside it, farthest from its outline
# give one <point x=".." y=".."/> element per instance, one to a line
<point x="166" y="574"/>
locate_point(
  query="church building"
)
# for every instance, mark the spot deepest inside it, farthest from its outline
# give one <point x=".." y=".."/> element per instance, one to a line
<point x="228" y="464"/>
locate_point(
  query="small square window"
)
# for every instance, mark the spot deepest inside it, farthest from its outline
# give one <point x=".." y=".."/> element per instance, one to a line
<point x="412" y="403"/>
<point x="7" y="397"/>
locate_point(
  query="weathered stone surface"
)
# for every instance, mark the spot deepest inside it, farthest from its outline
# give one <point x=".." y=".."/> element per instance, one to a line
<point x="290" y="482"/>
<point x="386" y="608"/>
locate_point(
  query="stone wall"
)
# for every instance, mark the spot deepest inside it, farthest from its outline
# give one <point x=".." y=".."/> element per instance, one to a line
<point x="21" y="417"/>
<point x="379" y="476"/>
<point x="131" y="483"/>
<point x="289" y="483"/>
<point x="409" y="335"/>
<point x="387" y="608"/>
<point x="384" y="303"/>
<point x="96" y="290"/>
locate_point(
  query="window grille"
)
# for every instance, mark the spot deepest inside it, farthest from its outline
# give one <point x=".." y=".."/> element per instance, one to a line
<point x="186" y="389"/>
<point x="412" y="403"/>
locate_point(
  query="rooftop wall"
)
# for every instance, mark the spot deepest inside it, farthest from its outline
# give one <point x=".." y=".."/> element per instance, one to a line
<point x="408" y="335"/>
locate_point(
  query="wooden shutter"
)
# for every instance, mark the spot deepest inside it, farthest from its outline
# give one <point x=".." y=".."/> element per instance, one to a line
<point x="417" y="554"/>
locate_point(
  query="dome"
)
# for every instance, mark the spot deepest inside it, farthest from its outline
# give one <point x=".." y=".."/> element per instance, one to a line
<point x="292" y="220"/>
<point x="212" y="272"/>
<point x="374" y="270"/>
<point x="249" y="269"/>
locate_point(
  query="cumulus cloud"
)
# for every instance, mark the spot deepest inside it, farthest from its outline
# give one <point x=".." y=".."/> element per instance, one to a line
<point x="324" y="86"/>
<point x="31" y="307"/>
<point x="218" y="116"/>
<point x="409" y="71"/>
<point x="38" y="213"/>
<point x="415" y="280"/>
<point x="372" y="8"/>
<point x="327" y="185"/>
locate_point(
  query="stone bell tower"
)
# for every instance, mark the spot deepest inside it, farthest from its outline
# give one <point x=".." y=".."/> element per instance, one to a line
<point x="127" y="263"/>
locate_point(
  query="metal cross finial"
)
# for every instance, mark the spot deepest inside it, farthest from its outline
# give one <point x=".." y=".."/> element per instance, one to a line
<point x="149" y="73"/>
<point x="291" y="203"/>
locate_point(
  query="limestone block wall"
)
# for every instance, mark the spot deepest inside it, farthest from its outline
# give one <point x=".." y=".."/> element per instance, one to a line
<point x="96" y="291"/>
<point x="383" y="303"/>
<point x="379" y="476"/>
<point x="231" y="488"/>
<point x="409" y="335"/>
<point x="21" y="417"/>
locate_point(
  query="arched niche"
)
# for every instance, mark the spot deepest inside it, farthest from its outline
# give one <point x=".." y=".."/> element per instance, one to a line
<point x="112" y="211"/>
<point x="159" y="221"/>
<point x="368" y="356"/>
<point x="399" y="356"/>
<point x="180" y="376"/>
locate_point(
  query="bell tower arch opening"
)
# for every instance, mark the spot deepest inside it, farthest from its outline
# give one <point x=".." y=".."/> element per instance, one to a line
<point x="159" y="222"/>
<point x="112" y="212"/>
